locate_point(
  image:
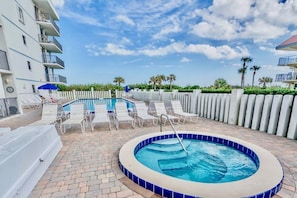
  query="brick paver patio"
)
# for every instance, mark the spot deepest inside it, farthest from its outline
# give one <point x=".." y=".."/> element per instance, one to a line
<point x="87" y="165"/>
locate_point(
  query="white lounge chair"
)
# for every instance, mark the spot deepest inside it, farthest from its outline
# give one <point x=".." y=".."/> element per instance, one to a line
<point x="77" y="116"/>
<point x="122" y="114"/>
<point x="142" y="114"/>
<point x="159" y="109"/>
<point x="50" y="115"/>
<point x="177" y="110"/>
<point x="101" y="116"/>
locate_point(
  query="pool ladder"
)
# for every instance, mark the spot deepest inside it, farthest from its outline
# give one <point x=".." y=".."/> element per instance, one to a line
<point x="173" y="128"/>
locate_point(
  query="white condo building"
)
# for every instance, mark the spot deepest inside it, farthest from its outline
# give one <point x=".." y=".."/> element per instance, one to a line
<point x="290" y="61"/>
<point x="28" y="51"/>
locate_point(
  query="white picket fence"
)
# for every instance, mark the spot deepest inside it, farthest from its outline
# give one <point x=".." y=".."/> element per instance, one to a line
<point x="273" y="114"/>
<point x="73" y="95"/>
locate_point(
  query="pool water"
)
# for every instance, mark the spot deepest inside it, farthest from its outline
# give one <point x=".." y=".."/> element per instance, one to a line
<point x="109" y="101"/>
<point x="205" y="162"/>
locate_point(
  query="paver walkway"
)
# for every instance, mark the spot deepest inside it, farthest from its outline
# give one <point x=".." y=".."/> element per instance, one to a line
<point x="87" y="165"/>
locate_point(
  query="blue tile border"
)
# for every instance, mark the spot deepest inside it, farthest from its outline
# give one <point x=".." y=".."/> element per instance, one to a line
<point x="171" y="194"/>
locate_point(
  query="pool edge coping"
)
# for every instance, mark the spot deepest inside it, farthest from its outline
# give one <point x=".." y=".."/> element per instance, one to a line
<point x="257" y="184"/>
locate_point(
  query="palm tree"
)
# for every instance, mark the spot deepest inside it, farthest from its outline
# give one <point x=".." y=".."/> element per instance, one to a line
<point x="245" y="60"/>
<point x="171" y="78"/>
<point x="265" y="80"/>
<point x="220" y="83"/>
<point x="243" y="72"/>
<point x="119" y="80"/>
<point x="160" y="79"/>
<point x="153" y="80"/>
<point x="254" y="68"/>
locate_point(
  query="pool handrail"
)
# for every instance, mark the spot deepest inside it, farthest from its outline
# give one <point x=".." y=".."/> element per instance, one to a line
<point x="173" y="128"/>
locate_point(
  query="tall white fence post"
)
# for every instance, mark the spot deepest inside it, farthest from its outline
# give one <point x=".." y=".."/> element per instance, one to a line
<point x="292" y="131"/>
<point x="266" y="113"/>
<point x="218" y="107"/>
<point x="274" y="114"/>
<point x="74" y="94"/>
<point x="250" y="111"/>
<point x="222" y="107"/>
<point x="242" y="109"/>
<point x="227" y="108"/>
<point x="257" y="112"/>
<point x="194" y="100"/>
<point x="283" y="121"/>
<point x="92" y="92"/>
<point x="236" y="95"/>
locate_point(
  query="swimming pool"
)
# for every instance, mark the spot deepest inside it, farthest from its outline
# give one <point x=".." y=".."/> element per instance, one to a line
<point x="109" y="101"/>
<point x="265" y="182"/>
<point x="204" y="161"/>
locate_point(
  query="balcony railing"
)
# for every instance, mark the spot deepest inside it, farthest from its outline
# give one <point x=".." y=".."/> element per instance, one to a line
<point x="50" y="43"/>
<point x="48" y="6"/>
<point x="286" y="77"/>
<point x="288" y="61"/>
<point x="44" y="19"/>
<point x="53" y="61"/>
<point x="57" y="78"/>
<point x="3" y="61"/>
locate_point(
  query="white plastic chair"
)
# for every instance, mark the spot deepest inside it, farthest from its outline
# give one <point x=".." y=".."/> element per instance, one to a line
<point x="77" y="116"/>
<point x="101" y="116"/>
<point x="160" y="109"/>
<point x="178" y="110"/>
<point x="122" y="114"/>
<point x="142" y="114"/>
<point x="49" y="115"/>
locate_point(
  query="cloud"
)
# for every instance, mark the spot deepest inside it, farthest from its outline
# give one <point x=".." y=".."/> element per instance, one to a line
<point x="82" y="18"/>
<point x="170" y="28"/>
<point x="219" y="52"/>
<point x="113" y="49"/>
<point x="125" y="19"/>
<point x="229" y="20"/>
<point x="184" y="60"/>
<point x="223" y="30"/>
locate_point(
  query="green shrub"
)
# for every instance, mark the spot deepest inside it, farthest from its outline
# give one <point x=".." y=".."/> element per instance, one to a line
<point x="270" y="90"/>
<point x="213" y="90"/>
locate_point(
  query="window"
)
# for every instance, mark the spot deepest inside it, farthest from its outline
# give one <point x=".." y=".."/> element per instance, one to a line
<point x="29" y="65"/>
<point x="24" y="40"/>
<point x="21" y="15"/>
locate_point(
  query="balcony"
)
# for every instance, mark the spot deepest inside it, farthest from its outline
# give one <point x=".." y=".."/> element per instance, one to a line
<point x="50" y="43"/>
<point x="290" y="61"/>
<point x="48" y="24"/>
<point x="52" y="62"/>
<point x="46" y="6"/>
<point x="3" y="61"/>
<point x="55" y="78"/>
<point x="290" y="77"/>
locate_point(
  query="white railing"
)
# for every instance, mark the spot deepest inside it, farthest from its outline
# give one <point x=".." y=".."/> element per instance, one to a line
<point x="73" y="95"/>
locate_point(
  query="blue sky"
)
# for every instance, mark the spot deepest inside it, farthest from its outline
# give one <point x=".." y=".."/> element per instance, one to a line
<point x="198" y="41"/>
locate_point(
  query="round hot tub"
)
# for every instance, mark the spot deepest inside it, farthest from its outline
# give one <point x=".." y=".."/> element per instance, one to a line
<point x="266" y="181"/>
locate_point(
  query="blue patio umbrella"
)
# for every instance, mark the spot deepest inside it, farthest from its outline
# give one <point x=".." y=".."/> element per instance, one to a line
<point x="48" y="86"/>
<point x="127" y="88"/>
